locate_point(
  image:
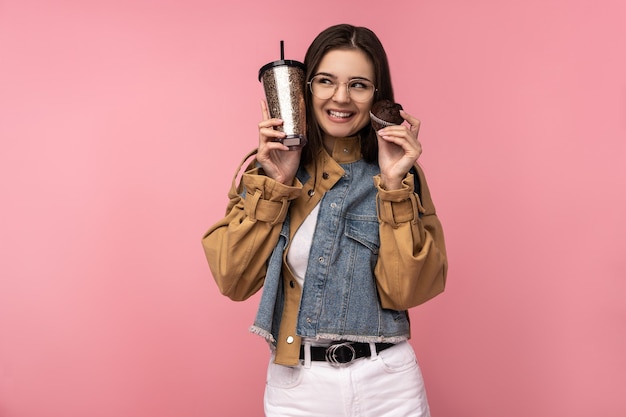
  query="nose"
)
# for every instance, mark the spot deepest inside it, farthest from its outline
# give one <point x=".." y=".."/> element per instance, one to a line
<point x="342" y="93"/>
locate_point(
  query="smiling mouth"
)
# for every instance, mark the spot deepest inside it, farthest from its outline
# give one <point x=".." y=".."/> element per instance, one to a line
<point x="340" y="114"/>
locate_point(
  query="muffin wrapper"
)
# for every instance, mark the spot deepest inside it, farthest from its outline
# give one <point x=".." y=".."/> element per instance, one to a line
<point x="381" y="121"/>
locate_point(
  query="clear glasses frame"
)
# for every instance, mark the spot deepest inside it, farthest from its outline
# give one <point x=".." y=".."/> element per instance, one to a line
<point x="324" y="87"/>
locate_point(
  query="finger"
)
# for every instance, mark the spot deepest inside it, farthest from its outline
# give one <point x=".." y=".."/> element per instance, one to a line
<point x="401" y="136"/>
<point x="271" y="134"/>
<point x="400" y="131"/>
<point x="401" y="141"/>
<point x="264" y="112"/>
<point x="275" y="145"/>
<point x="270" y="123"/>
<point x="267" y="120"/>
<point x="413" y="121"/>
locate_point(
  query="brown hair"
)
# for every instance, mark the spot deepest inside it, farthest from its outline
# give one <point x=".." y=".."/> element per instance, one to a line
<point x="346" y="36"/>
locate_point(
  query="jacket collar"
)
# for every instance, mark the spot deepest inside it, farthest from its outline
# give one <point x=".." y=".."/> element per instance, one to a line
<point x="347" y="150"/>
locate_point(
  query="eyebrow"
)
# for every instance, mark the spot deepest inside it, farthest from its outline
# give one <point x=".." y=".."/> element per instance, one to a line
<point x="327" y="74"/>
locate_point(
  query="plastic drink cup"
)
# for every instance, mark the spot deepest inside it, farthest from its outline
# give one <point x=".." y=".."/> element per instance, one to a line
<point x="283" y="82"/>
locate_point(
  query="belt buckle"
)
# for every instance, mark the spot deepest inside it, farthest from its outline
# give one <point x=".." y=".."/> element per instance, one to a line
<point x="337" y="354"/>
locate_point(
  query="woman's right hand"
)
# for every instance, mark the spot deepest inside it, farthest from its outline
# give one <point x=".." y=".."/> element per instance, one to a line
<point x="278" y="162"/>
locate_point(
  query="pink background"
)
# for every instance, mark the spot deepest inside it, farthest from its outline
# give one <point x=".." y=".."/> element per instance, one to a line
<point x="121" y="123"/>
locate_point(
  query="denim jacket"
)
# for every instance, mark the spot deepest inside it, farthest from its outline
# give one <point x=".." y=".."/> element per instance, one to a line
<point x="375" y="253"/>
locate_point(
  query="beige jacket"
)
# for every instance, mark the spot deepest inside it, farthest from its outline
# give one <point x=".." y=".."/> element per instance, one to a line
<point x="412" y="262"/>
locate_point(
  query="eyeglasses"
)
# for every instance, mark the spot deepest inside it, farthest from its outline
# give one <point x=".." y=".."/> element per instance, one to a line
<point x="324" y="87"/>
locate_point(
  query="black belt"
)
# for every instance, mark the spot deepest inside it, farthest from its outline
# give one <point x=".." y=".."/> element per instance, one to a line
<point x="343" y="353"/>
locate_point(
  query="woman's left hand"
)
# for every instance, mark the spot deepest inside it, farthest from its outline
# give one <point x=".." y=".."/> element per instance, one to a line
<point x="398" y="150"/>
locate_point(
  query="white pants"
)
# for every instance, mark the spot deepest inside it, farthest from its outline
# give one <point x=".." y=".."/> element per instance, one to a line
<point x="386" y="385"/>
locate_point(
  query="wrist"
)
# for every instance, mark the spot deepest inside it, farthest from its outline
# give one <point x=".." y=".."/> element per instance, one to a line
<point x="389" y="183"/>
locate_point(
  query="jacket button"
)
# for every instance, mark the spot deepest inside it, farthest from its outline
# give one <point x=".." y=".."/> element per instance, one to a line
<point x="325" y="175"/>
<point x="289" y="339"/>
<point x="291" y="284"/>
<point x="311" y="192"/>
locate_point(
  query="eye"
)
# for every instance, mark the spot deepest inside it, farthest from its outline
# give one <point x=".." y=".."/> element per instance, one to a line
<point x="360" y="85"/>
<point x="324" y="81"/>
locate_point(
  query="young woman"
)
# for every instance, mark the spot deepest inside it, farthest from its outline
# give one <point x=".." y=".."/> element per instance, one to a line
<point x="342" y="236"/>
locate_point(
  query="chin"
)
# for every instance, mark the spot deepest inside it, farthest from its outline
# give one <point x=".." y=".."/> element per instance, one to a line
<point x="340" y="132"/>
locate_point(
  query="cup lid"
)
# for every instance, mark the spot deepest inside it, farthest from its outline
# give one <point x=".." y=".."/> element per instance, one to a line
<point x="287" y="62"/>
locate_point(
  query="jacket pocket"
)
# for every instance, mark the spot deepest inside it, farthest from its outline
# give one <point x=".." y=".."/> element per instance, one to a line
<point x="363" y="229"/>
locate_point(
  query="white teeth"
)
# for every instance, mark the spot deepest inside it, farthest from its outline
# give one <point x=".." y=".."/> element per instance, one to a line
<point x="339" y="114"/>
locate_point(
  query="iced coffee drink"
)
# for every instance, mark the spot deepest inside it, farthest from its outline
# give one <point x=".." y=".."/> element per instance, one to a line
<point x="283" y="82"/>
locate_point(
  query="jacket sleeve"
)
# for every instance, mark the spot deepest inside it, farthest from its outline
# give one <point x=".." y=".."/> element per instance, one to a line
<point x="412" y="262"/>
<point x="238" y="246"/>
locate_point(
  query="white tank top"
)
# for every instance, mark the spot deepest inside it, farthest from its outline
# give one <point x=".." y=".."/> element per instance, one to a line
<point x="298" y="259"/>
<point x="298" y="254"/>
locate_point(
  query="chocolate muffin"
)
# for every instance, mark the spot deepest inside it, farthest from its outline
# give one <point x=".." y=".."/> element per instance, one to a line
<point x="385" y="113"/>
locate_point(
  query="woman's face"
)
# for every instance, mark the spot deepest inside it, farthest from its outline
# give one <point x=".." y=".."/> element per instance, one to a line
<point x="339" y="115"/>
